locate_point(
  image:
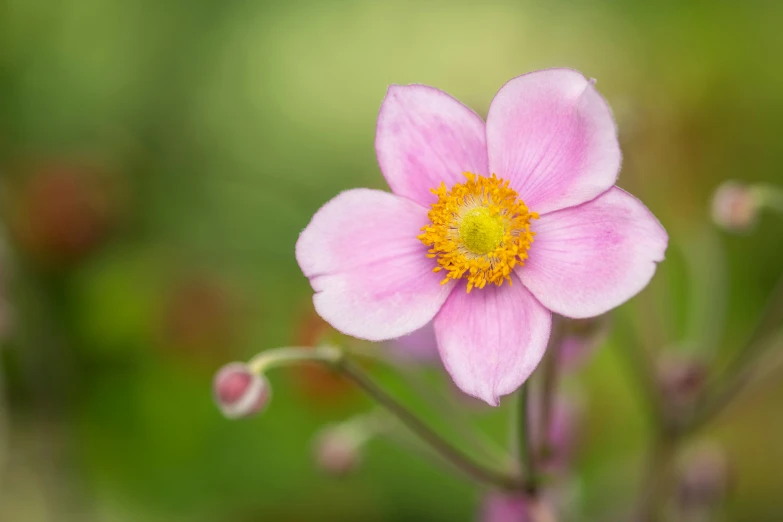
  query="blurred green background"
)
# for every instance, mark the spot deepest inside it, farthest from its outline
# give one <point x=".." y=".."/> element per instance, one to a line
<point x="159" y="158"/>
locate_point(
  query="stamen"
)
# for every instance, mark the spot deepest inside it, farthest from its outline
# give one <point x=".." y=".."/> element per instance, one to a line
<point x="480" y="230"/>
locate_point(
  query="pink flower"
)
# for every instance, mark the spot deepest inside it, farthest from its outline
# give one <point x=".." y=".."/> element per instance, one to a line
<point x="490" y="228"/>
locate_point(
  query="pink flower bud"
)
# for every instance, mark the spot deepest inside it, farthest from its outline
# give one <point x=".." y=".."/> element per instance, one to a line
<point x="704" y="477"/>
<point x="506" y="507"/>
<point x="560" y="439"/>
<point x="734" y="206"/>
<point x="682" y="378"/>
<point x="337" y="451"/>
<point x="238" y="392"/>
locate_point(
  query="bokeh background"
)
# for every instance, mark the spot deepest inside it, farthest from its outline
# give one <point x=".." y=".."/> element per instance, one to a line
<point x="159" y="158"/>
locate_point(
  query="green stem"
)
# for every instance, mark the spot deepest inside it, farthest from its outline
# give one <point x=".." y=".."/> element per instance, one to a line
<point x="643" y="369"/>
<point x="334" y="357"/>
<point x="293" y="354"/>
<point x="656" y="479"/>
<point x="769" y="196"/>
<point x="445" y="405"/>
<point x="548" y="389"/>
<point x="746" y="364"/>
<point x="527" y="461"/>
<point x="771" y="317"/>
<point x="438" y="443"/>
<point x="669" y="434"/>
<point x="729" y="388"/>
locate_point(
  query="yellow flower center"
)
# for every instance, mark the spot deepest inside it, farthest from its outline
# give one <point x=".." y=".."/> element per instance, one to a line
<point x="479" y="230"/>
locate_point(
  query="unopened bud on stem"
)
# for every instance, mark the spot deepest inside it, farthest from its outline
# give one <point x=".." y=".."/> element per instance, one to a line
<point x="239" y="392"/>
<point x="338" y="448"/>
<point x="337" y="451"/>
<point x="736" y="206"/>
<point x="704" y="477"/>
<point x="506" y="507"/>
<point x="241" y="389"/>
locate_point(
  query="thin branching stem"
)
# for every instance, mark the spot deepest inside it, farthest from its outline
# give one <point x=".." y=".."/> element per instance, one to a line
<point x="455" y="456"/>
<point x="549" y="384"/>
<point x="525" y="450"/>
<point x="335" y="358"/>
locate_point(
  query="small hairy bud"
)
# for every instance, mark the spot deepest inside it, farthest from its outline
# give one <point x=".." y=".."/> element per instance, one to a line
<point x="506" y="507"/>
<point x="239" y="392"/>
<point x="735" y="206"/>
<point x="337" y="451"/>
<point x="704" y="477"/>
<point x="682" y="378"/>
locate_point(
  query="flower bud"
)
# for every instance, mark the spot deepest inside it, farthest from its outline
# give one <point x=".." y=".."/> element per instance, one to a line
<point x="704" y="477"/>
<point x="559" y="440"/>
<point x="735" y="206"/>
<point x="338" y="451"/>
<point x="505" y="507"/>
<point x="682" y="378"/>
<point x="239" y="392"/>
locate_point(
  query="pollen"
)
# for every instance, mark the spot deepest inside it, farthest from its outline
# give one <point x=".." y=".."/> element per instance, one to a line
<point x="479" y="230"/>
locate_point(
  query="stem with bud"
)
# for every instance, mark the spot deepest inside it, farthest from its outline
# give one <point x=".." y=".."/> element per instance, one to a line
<point x="335" y="358"/>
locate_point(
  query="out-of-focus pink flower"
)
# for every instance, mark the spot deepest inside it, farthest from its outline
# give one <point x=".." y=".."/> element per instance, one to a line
<point x="420" y="346"/>
<point x="561" y="434"/>
<point x="527" y="198"/>
<point x="238" y="392"/>
<point x="735" y="206"/>
<point x="506" y="507"/>
<point x="580" y="340"/>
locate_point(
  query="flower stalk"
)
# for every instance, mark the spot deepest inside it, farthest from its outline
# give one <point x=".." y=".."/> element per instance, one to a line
<point x="769" y="196"/>
<point x="455" y="456"/>
<point x="525" y="450"/>
<point x="286" y="356"/>
<point x="335" y="358"/>
<point x="549" y="385"/>
<point x="444" y="404"/>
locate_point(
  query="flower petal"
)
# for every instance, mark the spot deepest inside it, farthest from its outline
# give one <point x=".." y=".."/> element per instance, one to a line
<point x="589" y="259"/>
<point x="553" y="137"/>
<point x="492" y="338"/>
<point x="371" y="275"/>
<point x="425" y="137"/>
